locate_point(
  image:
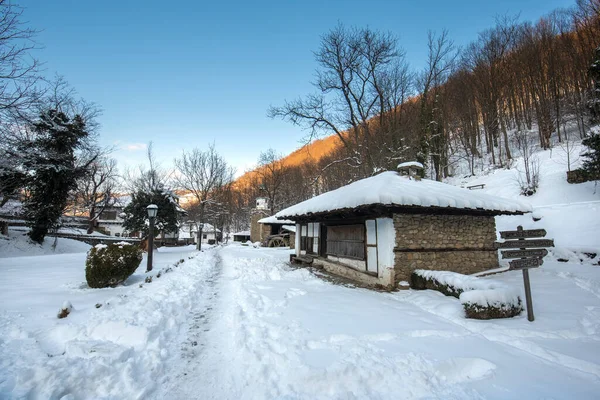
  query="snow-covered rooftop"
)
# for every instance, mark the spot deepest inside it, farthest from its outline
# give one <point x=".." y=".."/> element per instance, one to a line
<point x="11" y="208"/>
<point x="414" y="164"/>
<point x="289" y="228"/>
<point x="392" y="189"/>
<point x="273" y="220"/>
<point x="187" y="230"/>
<point x="242" y="233"/>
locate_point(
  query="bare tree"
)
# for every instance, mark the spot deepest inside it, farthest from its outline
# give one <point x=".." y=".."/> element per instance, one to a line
<point x="271" y="174"/>
<point x="96" y="190"/>
<point x="146" y="178"/>
<point x="568" y="145"/>
<point x="529" y="182"/>
<point x="354" y="92"/>
<point x="440" y="61"/>
<point x="19" y="71"/>
<point x="203" y="173"/>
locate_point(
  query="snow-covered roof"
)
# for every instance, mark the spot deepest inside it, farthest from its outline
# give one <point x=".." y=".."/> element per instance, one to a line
<point x="290" y="228"/>
<point x="11" y="208"/>
<point x="273" y="220"/>
<point x="410" y="164"/>
<point x="392" y="189"/>
<point x="188" y="230"/>
<point x="242" y="233"/>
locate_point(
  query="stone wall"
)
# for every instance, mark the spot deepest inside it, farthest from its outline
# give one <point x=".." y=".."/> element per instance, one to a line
<point x="580" y="176"/>
<point x="459" y="243"/>
<point x="265" y="231"/>
<point x="255" y="227"/>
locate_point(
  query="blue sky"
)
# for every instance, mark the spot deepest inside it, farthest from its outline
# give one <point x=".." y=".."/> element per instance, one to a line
<point x="187" y="73"/>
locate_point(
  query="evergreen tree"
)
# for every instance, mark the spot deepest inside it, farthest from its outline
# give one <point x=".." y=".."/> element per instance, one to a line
<point x="591" y="163"/>
<point x="136" y="215"/>
<point x="50" y="169"/>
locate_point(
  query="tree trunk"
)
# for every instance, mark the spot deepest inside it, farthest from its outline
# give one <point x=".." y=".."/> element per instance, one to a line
<point x="92" y="220"/>
<point x="200" y="226"/>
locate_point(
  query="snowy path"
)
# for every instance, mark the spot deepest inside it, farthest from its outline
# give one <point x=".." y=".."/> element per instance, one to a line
<point x="283" y="333"/>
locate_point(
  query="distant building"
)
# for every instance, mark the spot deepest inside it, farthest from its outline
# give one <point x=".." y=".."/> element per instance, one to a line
<point x="242" y="236"/>
<point x="188" y="233"/>
<point x="262" y="203"/>
<point x="283" y="229"/>
<point x="111" y="219"/>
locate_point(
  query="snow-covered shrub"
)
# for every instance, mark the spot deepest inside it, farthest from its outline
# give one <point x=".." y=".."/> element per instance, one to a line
<point x="65" y="310"/>
<point x="492" y="303"/>
<point x="450" y="283"/>
<point x="110" y="265"/>
<point x="481" y="298"/>
<point x="420" y="282"/>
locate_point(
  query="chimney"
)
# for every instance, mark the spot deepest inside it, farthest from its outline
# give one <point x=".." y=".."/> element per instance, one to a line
<point x="411" y="169"/>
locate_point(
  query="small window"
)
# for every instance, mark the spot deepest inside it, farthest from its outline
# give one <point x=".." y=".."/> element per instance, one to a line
<point x="108" y="215"/>
<point x="204" y="236"/>
<point x="346" y="241"/>
<point x="117" y="234"/>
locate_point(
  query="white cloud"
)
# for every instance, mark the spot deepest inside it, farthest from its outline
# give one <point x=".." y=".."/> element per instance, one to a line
<point x="134" y="146"/>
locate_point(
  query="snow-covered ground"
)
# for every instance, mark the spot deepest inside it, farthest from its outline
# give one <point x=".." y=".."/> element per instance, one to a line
<point x="17" y="244"/>
<point x="237" y="322"/>
<point x="114" y="351"/>
<point x="570" y="212"/>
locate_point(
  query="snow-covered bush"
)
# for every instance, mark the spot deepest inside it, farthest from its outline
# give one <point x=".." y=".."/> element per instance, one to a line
<point x="65" y="310"/>
<point x="450" y="283"/>
<point x="109" y="265"/>
<point x="481" y="298"/>
<point x="491" y="303"/>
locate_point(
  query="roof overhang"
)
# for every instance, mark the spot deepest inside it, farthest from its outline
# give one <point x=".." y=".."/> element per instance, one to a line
<point x="386" y="210"/>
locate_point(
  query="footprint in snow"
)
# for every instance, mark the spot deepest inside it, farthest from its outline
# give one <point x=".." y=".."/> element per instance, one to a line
<point x="294" y="292"/>
<point x="459" y="370"/>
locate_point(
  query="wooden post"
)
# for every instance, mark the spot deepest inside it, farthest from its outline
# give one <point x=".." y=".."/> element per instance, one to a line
<point x="528" y="299"/>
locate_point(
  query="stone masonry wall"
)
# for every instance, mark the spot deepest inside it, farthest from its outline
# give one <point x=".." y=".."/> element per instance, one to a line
<point x="265" y="231"/>
<point x="459" y="243"/>
<point x="255" y="227"/>
<point x="580" y="176"/>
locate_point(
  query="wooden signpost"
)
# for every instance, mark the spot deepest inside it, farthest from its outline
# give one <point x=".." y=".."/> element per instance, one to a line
<point x="525" y="258"/>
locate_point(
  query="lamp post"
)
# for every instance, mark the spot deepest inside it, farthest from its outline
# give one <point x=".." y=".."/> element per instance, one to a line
<point x="152" y="211"/>
<point x="200" y="227"/>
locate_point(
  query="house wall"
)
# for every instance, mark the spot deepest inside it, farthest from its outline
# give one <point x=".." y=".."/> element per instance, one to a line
<point x="459" y="243"/>
<point x="378" y="266"/>
<point x="297" y="239"/>
<point x="113" y="227"/>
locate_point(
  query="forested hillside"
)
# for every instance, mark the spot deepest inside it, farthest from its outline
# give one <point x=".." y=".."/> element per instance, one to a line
<point x="518" y="87"/>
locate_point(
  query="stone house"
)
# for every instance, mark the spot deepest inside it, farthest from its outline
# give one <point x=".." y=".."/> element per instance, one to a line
<point x="379" y="229"/>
